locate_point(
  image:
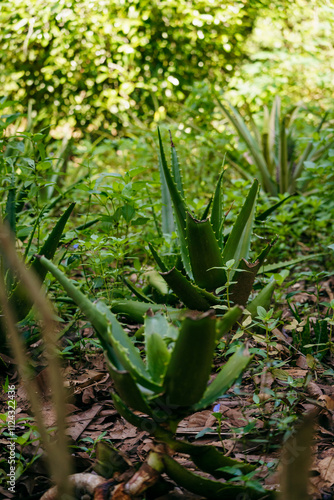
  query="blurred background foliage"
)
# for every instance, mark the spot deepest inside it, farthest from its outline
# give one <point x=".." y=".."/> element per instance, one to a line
<point x="102" y="62"/>
<point x="105" y="65"/>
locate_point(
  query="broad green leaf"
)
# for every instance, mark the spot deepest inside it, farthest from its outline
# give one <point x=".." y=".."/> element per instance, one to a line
<point x="205" y="254"/>
<point x="225" y="378"/>
<point x="190" y="364"/>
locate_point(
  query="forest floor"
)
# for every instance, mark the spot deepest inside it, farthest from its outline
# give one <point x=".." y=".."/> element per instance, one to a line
<point x="250" y="430"/>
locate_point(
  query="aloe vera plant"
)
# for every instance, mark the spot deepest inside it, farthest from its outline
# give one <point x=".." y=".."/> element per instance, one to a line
<point x="171" y="383"/>
<point x="212" y="271"/>
<point x="273" y="150"/>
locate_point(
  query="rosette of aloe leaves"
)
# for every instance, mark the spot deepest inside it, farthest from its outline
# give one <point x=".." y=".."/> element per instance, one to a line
<point x="212" y="269"/>
<point x="156" y="391"/>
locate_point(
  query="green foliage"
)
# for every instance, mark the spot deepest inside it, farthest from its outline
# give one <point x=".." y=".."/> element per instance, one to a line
<point x="91" y="61"/>
<point x="173" y="381"/>
<point x="212" y="263"/>
<point x="273" y="149"/>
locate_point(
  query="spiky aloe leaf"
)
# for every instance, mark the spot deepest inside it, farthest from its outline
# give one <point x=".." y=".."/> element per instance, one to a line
<point x="156" y="281"/>
<point x="283" y="160"/>
<point x="225" y="378"/>
<point x="157" y="353"/>
<point x="269" y="268"/>
<point x="208" y="488"/>
<point x="254" y="148"/>
<point x="238" y="244"/>
<point x="137" y="310"/>
<point x="128" y="390"/>
<point x="120" y="349"/>
<point x="138" y="293"/>
<point x="176" y="171"/>
<point x="50" y="246"/>
<point x="167" y="218"/>
<point x="191" y="295"/>
<point x="10" y="210"/>
<point x="205" y="214"/>
<point x="245" y="276"/>
<point x="179" y="209"/>
<point x="217" y="214"/>
<point x="157" y="259"/>
<point x="205" y="255"/>
<point x="190" y="364"/>
<point x="243" y="281"/>
<point x="125" y="350"/>
<point x="225" y="323"/>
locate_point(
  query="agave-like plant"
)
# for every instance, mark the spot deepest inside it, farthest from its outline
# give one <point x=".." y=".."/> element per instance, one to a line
<point x="213" y="270"/>
<point x="170" y="384"/>
<point x="273" y="150"/>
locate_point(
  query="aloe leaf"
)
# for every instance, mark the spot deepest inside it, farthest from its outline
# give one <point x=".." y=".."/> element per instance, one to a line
<point x="138" y="293"/>
<point x="245" y="275"/>
<point x="156" y="281"/>
<point x="206" y="210"/>
<point x="205" y="254"/>
<point x="262" y="299"/>
<point x="217" y="215"/>
<point x="167" y="218"/>
<point x="188" y="293"/>
<point x="225" y="323"/>
<point x="125" y="350"/>
<point x="157" y="259"/>
<point x="243" y="281"/>
<point x="176" y="171"/>
<point x="254" y="148"/>
<point x="128" y="390"/>
<point x="225" y="378"/>
<point x="264" y="215"/>
<point x="190" y="363"/>
<point x="208" y="488"/>
<point x="96" y="318"/>
<point x="157" y="357"/>
<point x="10" y="210"/>
<point x="137" y="310"/>
<point x="50" y="246"/>
<point x="283" y="159"/>
<point x="120" y="349"/>
<point x="238" y="244"/>
<point x="179" y="209"/>
<point x="269" y="268"/>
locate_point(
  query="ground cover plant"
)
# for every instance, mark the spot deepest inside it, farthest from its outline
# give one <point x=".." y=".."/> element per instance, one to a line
<point x="196" y="363"/>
